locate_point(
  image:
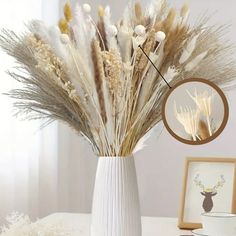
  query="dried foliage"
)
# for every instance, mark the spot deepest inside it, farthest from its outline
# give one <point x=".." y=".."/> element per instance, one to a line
<point x="94" y="77"/>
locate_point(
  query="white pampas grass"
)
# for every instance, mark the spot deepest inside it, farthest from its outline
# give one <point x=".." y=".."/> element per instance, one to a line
<point x="195" y="62"/>
<point x="84" y="32"/>
<point x="124" y="37"/>
<point x="111" y="40"/>
<point x="55" y="40"/>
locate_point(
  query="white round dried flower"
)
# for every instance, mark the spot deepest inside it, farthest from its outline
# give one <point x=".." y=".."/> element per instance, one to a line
<point x="86" y="8"/>
<point x="140" y="30"/>
<point x="65" y="38"/>
<point x="112" y="30"/>
<point x="160" y="36"/>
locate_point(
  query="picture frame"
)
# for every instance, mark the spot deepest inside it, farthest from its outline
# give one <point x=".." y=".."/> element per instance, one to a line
<point x="209" y="185"/>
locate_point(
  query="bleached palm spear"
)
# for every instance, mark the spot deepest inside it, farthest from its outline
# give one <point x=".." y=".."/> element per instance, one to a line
<point x="189" y="119"/>
<point x="93" y="75"/>
<point x="204" y="102"/>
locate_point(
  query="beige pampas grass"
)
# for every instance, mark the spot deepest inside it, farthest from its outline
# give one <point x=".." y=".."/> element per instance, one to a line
<point x="94" y="77"/>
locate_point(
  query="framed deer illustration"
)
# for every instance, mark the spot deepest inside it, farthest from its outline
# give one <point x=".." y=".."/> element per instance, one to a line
<point x="209" y="186"/>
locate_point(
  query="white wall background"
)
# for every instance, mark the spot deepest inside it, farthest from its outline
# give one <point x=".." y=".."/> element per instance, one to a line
<point x="160" y="165"/>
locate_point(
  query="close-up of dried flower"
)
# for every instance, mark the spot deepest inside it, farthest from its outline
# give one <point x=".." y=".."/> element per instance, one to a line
<point x="199" y="106"/>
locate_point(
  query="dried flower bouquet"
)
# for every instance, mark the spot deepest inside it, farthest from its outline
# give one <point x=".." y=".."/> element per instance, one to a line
<point x="94" y="76"/>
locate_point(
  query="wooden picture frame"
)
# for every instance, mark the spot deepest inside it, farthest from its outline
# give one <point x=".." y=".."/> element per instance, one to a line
<point x="201" y="165"/>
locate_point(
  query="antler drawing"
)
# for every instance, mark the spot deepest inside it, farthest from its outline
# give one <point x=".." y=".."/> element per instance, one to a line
<point x="208" y="193"/>
<point x="219" y="183"/>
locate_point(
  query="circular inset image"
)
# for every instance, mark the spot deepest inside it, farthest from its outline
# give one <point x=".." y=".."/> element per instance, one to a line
<point x="195" y="111"/>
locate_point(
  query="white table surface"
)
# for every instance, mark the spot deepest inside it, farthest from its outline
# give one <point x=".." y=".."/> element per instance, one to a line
<point x="152" y="226"/>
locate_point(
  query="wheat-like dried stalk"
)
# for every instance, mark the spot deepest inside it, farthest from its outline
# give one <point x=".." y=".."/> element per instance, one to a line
<point x="94" y="76"/>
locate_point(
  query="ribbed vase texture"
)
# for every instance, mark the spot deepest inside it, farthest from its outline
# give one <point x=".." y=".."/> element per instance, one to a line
<point x="116" y="208"/>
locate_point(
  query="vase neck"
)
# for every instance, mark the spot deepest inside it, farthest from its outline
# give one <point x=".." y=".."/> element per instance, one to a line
<point x="115" y="157"/>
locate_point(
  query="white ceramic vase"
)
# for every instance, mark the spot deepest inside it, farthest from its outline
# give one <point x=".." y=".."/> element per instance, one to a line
<point x="116" y="208"/>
